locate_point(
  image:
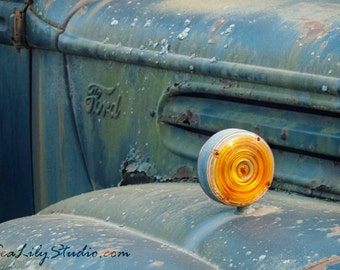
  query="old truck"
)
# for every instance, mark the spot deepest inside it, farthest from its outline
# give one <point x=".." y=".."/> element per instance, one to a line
<point x="170" y="134"/>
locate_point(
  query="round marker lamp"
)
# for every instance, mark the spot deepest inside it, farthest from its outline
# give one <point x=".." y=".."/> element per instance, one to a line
<point x="235" y="167"/>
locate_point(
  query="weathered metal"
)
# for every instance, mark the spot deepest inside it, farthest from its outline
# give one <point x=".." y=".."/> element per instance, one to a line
<point x="222" y="69"/>
<point x="121" y="92"/>
<point x="74" y="242"/>
<point x="282" y="231"/>
<point x="59" y="169"/>
<point x="16" y="184"/>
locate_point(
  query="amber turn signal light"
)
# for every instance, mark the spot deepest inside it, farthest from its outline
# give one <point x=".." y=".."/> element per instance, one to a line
<point x="235" y="167"/>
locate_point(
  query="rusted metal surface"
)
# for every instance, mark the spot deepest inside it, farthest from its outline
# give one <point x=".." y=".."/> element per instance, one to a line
<point x="235" y="35"/>
<point x="128" y="91"/>
<point x="11" y="22"/>
<point x="298" y="131"/>
<point x="18" y="35"/>
<point x="216" y="106"/>
<point x="327" y="263"/>
<point x="279" y="232"/>
<point x="270" y="67"/>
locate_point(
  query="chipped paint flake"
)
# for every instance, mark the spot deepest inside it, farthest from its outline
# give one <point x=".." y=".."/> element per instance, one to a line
<point x="114" y="22"/>
<point x="184" y="34"/>
<point x="147" y="24"/>
<point x="335" y="231"/>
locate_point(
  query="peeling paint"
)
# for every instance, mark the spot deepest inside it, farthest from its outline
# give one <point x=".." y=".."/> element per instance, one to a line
<point x="325" y="263"/>
<point x="335" y="231"/>
<point x="184" y="33"/>
<point x="312" y="30"/>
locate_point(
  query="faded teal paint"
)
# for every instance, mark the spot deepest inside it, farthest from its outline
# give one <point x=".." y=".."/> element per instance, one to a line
<point x="200" y="66"/>
<point x="263" y="69"/>
<point x="181" y="214"/>
<point x="16" y="184"/>
<point x="58" y="169"/>
<point x="236" y="67"/>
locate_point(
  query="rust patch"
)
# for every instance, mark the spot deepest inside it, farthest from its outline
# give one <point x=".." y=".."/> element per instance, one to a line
<point x="324" y="44"/>
<point x="263" y="210"/>
<point x="137" y="169"/>
<point x="284" y="134"/>
<point x="183" y="172"/>
<point x="324" y="263"/>
<point x="215" y="153"/>
<point x="186" y="118"/>
<point x="313" y="30"/>
<point x="48" y="3"/>
<point x="157" y="263"/>
<point x="335" y="232"/>
<point x="215" y="30"/>
<point x="217" y="26"/>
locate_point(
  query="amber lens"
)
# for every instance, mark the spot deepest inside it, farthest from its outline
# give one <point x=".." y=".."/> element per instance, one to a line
<point x="240" y="168"/>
